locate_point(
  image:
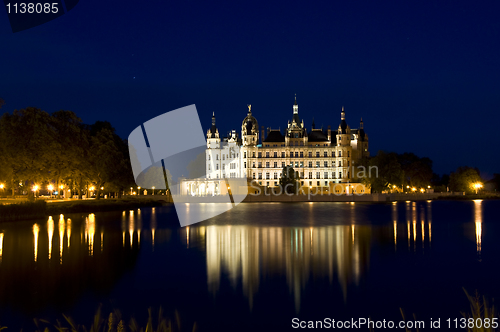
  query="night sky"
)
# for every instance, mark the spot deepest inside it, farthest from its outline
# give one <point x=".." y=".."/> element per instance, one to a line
<point x="423" y="75"/>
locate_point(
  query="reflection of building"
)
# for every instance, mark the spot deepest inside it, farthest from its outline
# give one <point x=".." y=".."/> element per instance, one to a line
<point x="246" y="253"/>
<point x="323" y="158"/>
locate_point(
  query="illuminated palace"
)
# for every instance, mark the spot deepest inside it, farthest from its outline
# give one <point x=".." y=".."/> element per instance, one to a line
<point x="323" y="158"/>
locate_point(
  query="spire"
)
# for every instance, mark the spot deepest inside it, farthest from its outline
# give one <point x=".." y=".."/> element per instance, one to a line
<point x="295" y="106"/>
<point x="249" y="108"/>
<point x="361" y="124"/>
<point x="342" y="114"/>
<point x="213" y="119"/>
<point x="313" y="124"/>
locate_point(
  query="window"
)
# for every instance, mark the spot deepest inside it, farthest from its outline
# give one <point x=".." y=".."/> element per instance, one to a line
<point x="275" y="175"/>
<point x="310" y="175"/>
<point x="296" y="154"/>
<point x="245" y="155"/>
<point x="267" y="164"/>
<point x="291" y="154"/>
<point x="282" y="154"/>
<point x="245" y="165"/>
<point x="301" y="154"/>
<point x="253" y="164"/>
<point x="267" y="154"/>
<point x="340" y="163"/>
<point x="253" y="154"/>
<point x="217" y="176"/>
<point x="223" y="166"/>
<point x="326" y="183"/>
<point x="267" y="176"/>
<point x="333" y="175"/>
<point x="318" y="176"/>
<point x="326" y="163"/>
<point x="260" y="176"/>
<point x="310" y="183"/>
<point x="317" y="154"/>
<point x="310" y="154"/>
<point x="311" y="164"/>
<point x="275" y="183"/>
<point x="260" y="154"/>
<point x="208" y="166"/>
<point x="317" y="164"/>
<point x="333" y="163"/>
<point x="317" y="183"/>
<point x="223" y="157"/>
<point x="217" y="166"/>
<point x="296" y="164"/>
<point x="217" y="157"/>
<point x="348" y="162"/>
<point x="302" y="175"/>
<point x="223" y="175"/>
<point x="326" y="175"/>
<point x="275" y="154"/>
<point x="208" y="157"/>
<point x="301" y="164"/>
<point x="260" y="164"/>
<point x="348" y="154"/>
<point x="275" y="164"/>
<point x="333" y="154"/>
<point x="340" y="175"/>
<point x="282" y="164"/>
<point x="340" y="153"/>
<point x="253" y="176"/>
<point x="325" y="154"/>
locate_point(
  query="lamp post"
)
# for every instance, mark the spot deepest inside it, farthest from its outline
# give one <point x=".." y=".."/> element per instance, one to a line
<point x="35" y="189"/>
<point x="478" y="186"/>
<point x="1" y="187"/>
<point x="131" y="191"/>
<point x="139" y="191"/>
<point x="153" y="190"/>
<point x="51" y="189"/>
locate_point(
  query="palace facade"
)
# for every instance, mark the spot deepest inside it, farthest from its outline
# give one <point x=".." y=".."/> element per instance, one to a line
<point x="323" y="158"/>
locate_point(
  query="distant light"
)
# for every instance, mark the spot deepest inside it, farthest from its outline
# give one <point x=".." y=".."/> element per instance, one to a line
<point x="51" y="187"/>
<point x="1" y="186"/>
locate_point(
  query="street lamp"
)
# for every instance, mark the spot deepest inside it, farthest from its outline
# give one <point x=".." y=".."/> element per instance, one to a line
<point x="51" y="189"/>
<point x="131" y="190"/>
<point x="2" y="186"/>
<point x="478" y="186"/>
<point x="153" y="190"/>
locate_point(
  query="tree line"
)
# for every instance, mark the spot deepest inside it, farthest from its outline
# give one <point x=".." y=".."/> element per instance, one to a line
<point x="42" y="149"/>
<point x="408" y="172"/>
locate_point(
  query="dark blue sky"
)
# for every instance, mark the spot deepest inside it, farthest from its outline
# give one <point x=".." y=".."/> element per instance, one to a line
<point x="423" y="75"/>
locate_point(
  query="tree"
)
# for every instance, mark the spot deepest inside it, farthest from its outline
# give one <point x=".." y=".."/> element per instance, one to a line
<point x="417" y="171"/>
<point x="464" y="179"/>
<point x="289" y="180"/>
<point x="388" y="172"/>
<point x="25" y="142"/>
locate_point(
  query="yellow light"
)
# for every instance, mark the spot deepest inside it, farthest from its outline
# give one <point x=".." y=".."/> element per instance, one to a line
<point x="139" y="188"/>
<point x="35" y="187"/>
<point x="407" y="186"/>
<point x="1" y="186"/>
<point x="478" y="185"/>
<point x="51" y="187"/>
<point x="61" y="186"/>
<point x="102" y="188"/>
<point x="414" y="189"/>
<point x="422" y="189"/>
<point x="429" y="187"/>
<point x="153" y="188"/>
<point x="394" y="186"/>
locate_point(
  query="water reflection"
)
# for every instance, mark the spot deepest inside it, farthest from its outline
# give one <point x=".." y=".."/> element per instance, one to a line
<point x="247" y="252"/>
<point x="478" y="220"/>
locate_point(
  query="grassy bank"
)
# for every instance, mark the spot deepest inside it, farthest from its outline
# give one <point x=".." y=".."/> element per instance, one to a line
<point x="42" y="209"/>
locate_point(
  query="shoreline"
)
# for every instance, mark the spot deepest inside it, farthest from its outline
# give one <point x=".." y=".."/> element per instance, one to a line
<point x="40" y="209"/>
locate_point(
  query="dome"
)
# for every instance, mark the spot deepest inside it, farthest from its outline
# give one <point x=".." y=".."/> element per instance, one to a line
<point x="250" y="125"/>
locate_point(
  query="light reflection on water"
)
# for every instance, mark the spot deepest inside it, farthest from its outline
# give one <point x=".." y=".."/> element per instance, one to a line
<point x="245" y="256"/>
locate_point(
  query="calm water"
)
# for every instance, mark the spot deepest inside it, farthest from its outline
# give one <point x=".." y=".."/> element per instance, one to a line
<point x="256" y="266"/>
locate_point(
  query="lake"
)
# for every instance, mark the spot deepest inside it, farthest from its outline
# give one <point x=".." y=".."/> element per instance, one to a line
<point x="257" y="266"/>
